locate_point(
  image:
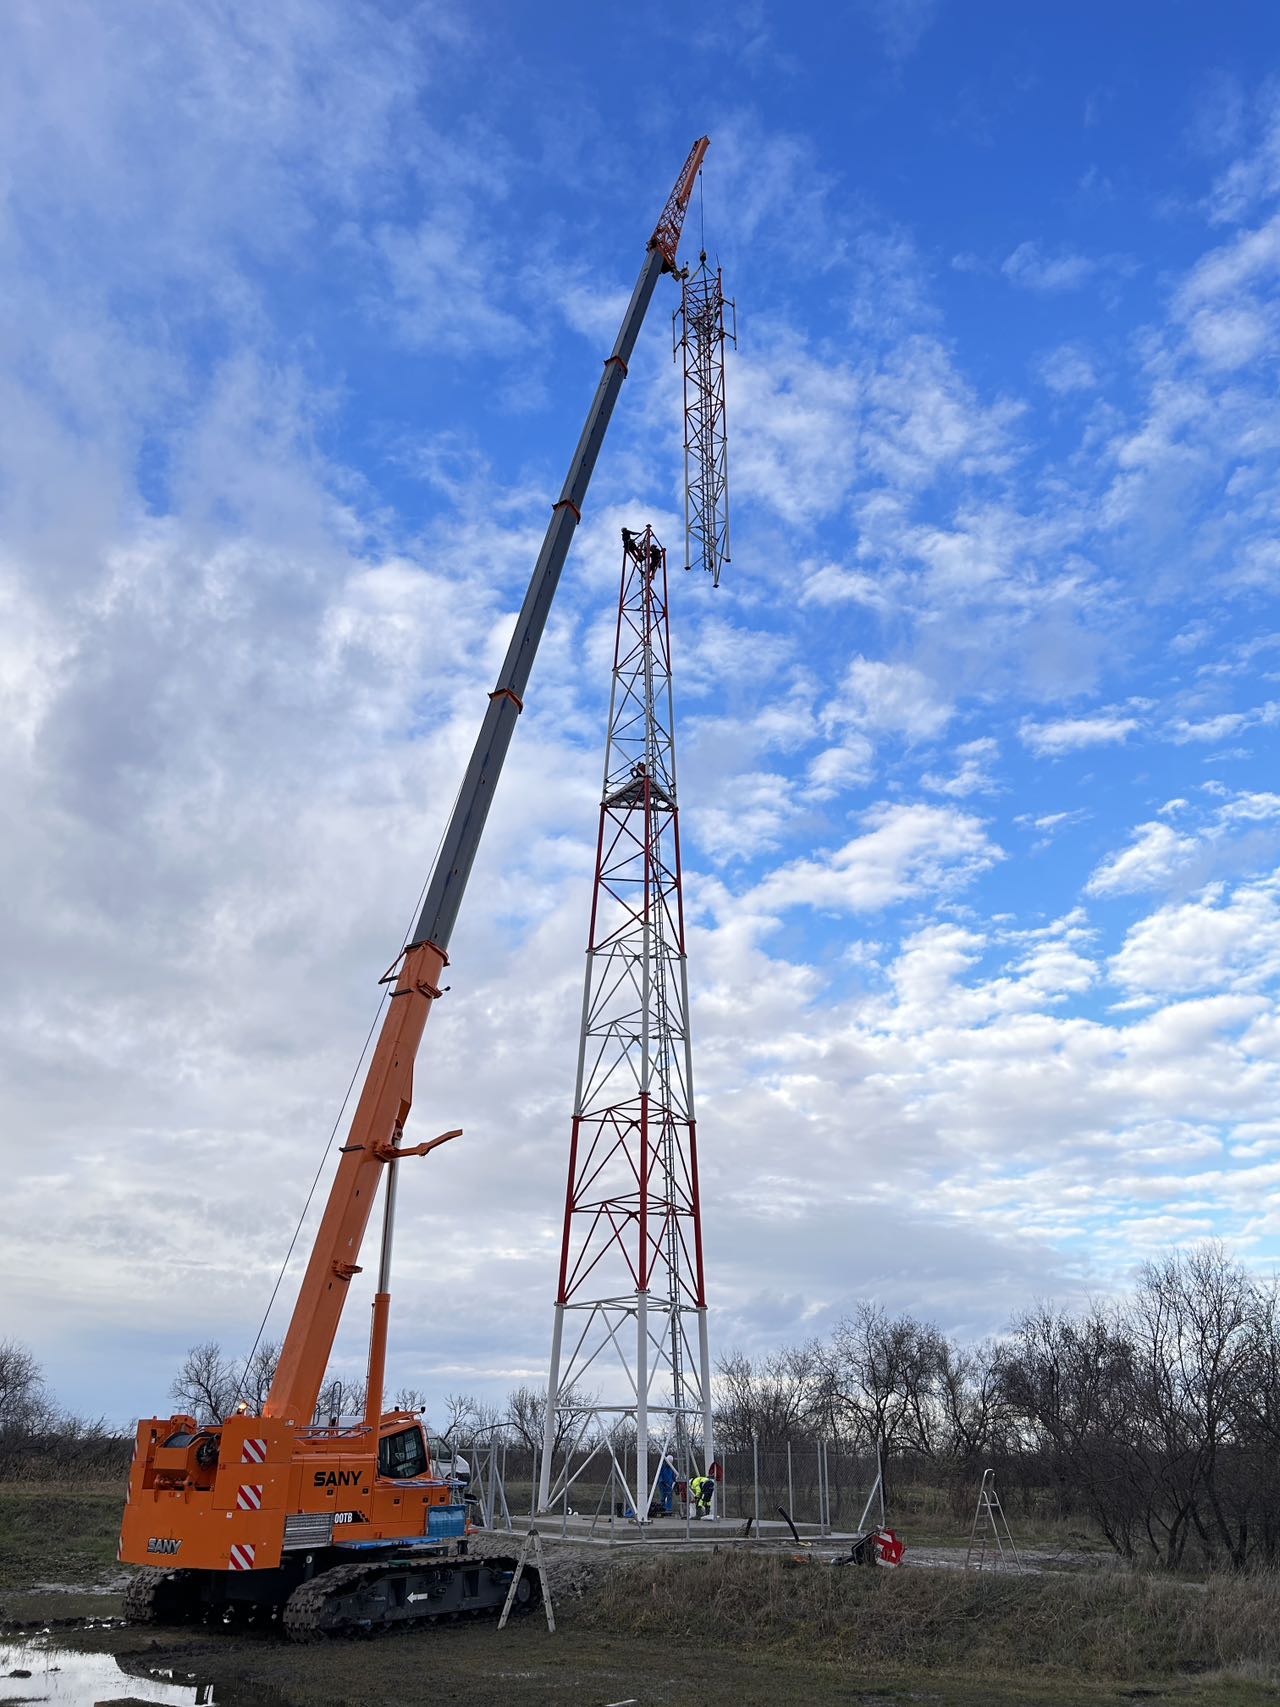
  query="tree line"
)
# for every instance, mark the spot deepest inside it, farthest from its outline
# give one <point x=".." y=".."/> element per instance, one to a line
<point x="39" y="1439"/>
<point x="1155" y="1416"/>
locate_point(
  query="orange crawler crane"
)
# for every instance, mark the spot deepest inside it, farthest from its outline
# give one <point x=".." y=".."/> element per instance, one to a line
<point x="343" y="1529"/>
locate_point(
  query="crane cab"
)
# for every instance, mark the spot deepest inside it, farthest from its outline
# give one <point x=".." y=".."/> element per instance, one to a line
<point x="402" y="1451"/>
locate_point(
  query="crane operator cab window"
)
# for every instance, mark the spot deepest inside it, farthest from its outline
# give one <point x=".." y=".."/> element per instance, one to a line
<point x="402" y="1456"/>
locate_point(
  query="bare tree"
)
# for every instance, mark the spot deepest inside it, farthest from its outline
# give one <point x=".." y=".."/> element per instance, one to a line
<point x="462" y="1414"/>
<point x="209" y="1385"/>
<point x="1065" y="1381"/>
<point x="22" y="1390"/>
<point x="774" y="1397"/>
<point x="1192" y="1321"/>
<point x="205" y="1386"/>
<point x="339" y="1398"/>
<point x="974" y="1423"/>
<point x="526" y="1412"/>
<point x="879" y="1379"/>
<point x="253" y="1383"/>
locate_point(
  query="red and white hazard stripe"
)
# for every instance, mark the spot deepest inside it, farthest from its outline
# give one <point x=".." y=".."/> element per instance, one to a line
<point x="242" y="1554"/>
<point x="255" y="1452"/>
<point x="249" y="1497"/>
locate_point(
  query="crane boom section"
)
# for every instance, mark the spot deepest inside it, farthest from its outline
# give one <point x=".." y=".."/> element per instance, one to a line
<point x="462" y="838"/>
<point x="384" y="1105"/>
<point x="388" y="1088"/>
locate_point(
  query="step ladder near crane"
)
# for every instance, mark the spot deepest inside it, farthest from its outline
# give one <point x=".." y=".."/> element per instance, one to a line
<point x="990" y="1540"/>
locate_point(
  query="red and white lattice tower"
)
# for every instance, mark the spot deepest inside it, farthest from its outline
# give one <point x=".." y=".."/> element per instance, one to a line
<point x="629" y="1344"/>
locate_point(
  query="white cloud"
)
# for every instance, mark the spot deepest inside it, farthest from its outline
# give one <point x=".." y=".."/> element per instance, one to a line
<point x="891" y="699"/>
<point x="1068" y="368"/>
<point x="1254" y="175"/>
<point x="923" y="418"/>
<point x="1155" y="857"/>
<point x="1218" y="940"/>
<point x="1230" y="337"/>
<point x="1223" y="272"/>
<point x="901" y="24"/>
<point x="1030" y="267"/>
<point x="906" y="851"/>
<point x="1050" y="824"/>
<point x="435" y="287"/>
<point x="796" y="431"/>
<point x="850" y="765"/>
<point x="1068" y="734"/>
<point x="1242" y="835"/>
<point x="973" y="775"/>
<point x="1225" y="724"/>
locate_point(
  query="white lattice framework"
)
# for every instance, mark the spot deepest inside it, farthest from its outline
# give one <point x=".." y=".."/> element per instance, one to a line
<point x="703" y="323"/>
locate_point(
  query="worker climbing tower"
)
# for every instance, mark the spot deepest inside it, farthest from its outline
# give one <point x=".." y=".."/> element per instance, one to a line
<point x="629" y="1343"/>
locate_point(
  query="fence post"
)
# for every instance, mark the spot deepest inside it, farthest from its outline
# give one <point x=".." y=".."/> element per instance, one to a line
<point x="791" y="1497"/>
<point x="755" y="1476"/>
<point x="533" y="1492"/>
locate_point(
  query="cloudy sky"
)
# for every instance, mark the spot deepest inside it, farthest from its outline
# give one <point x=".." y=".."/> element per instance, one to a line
<point x="303" y="307"/>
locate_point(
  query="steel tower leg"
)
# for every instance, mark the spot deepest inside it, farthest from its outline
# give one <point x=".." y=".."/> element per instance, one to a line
<point x="549" y="1420"/>
<point x="640" y="1505"/>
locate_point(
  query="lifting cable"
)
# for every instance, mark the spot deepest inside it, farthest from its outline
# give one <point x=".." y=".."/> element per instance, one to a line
<point x="383" y="998"/>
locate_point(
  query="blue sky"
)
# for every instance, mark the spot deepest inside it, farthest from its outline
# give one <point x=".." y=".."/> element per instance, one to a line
<point x="976" y="737"/>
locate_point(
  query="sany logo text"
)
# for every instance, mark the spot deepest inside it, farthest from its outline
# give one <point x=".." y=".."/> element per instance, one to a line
<point x="336" y="1479"/>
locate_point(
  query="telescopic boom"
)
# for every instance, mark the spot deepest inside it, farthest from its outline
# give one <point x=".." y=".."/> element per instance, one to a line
<point x="388" y="1088"/>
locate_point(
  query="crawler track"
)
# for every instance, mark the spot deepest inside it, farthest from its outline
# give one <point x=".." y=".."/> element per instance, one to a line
<point x="361" y="1599"/>
<point x="160" y="1597"/>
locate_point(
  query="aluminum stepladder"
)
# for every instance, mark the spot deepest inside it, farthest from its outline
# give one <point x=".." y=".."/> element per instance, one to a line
<point x="532" y="1543"/>
<point x="994" y="1531"/>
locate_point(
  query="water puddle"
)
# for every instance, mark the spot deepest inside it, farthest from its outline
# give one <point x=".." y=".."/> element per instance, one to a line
<point x="70" y="1677"/>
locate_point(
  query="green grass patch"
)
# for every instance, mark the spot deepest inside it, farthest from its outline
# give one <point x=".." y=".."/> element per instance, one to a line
<point x="53" y="1534"/>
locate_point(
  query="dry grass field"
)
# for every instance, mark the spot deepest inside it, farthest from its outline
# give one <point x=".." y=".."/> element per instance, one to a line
<point x="722" y="1628"/>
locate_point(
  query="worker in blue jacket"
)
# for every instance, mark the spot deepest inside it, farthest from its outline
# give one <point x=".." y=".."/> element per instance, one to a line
<point x="666" y="1486"/>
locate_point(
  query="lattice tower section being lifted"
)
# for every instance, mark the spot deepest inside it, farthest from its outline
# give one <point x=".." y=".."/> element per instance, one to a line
<point x="703" y="323"/>
<point x="630" y="1366"/>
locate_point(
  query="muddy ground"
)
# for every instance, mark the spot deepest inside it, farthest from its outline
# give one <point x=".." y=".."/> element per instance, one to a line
<point x="472" y="1663"/>
<point x="711" y="1628"/>
<point x="525" y="1666"/>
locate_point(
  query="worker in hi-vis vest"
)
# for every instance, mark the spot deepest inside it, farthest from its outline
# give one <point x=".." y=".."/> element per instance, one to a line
<point x="703" y="1490"/>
